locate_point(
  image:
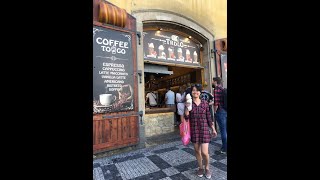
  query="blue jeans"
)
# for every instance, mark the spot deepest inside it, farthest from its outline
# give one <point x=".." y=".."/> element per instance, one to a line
<point x="221" y="117"/>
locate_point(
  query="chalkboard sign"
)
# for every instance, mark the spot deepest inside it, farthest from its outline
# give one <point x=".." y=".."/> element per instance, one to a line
<point x="113" y="80"/>
<point x="163" y="46"/>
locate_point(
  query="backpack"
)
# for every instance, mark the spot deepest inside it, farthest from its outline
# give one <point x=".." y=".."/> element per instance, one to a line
<point x="207" y="96"/>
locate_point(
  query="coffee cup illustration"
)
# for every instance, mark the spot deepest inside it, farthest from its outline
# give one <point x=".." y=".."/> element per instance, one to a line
<point x="171" y="53"/>
<point x="188" y="57"/>
<point x="195" y="57"/>
<point x="151" y="48"/>
<point x="161" y="48"/>
<point x="107" y="99"/>
<point x="180" y="53"/>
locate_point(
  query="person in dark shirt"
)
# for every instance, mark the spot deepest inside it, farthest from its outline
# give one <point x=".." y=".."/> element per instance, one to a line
<point x="220" y="114"/>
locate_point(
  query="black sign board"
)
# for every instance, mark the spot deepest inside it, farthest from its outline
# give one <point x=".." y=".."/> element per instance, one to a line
<point x="113" y="80"/>
<point x="163" y="46"/>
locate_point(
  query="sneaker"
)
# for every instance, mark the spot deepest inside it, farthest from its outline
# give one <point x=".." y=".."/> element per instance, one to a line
<point x="208" y="174"/>
<point x="200" y="172"/>
<point x="218" y="152"/>
<point x="223" y="152"/>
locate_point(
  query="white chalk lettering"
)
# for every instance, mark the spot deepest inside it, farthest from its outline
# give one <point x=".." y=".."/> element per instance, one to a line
<point x="114" y="85"/>
<point x="111" y="45"/>
<point x="98" y="40"/>
<point x="114" y="89"/>
<point x="112" y="69"/>
<point x="119" y="73"/>
<point x="113" y="77"/>
<point x="121" y="77"/>
<point x="114" y="81"/>
<point x="111" y="42"/>
<point x="103" y="72"/>
<point x="112" y="65"/>
<point x="108" y="77"/>
<point x="113" y="49"/>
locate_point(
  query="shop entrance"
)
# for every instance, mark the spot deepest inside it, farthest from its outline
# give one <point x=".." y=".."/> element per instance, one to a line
<point x="175" y="76"/>
<point x="173" y="56"/>
<point x="163" y="119"/>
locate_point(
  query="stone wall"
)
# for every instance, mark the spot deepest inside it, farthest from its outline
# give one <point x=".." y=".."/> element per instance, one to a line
<point x="160" y="123"/>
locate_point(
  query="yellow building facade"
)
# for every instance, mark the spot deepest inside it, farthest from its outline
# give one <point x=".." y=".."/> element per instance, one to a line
<point x="211" y="14"/>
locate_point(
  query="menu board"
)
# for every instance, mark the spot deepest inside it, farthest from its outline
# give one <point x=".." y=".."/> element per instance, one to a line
<point x="163" y="46"/>
<point x="112" y="71"/>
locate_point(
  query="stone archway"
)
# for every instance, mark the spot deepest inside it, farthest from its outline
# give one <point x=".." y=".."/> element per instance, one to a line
<point x="188" y="26"/>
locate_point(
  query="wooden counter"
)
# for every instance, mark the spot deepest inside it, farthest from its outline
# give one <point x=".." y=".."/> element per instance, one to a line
<point x="160" y="110"/>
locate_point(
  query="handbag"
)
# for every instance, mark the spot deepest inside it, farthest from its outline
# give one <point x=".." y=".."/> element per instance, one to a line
<point x="185" y="132"/>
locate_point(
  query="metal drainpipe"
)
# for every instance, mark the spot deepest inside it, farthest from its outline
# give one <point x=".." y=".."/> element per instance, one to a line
<point x="215" y="61"/>
<point x="209" y="68"/>
<point x="215" y="58"/>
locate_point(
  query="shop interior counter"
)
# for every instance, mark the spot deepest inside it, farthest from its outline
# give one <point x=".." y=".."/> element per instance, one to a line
<point x="159" y="110"/>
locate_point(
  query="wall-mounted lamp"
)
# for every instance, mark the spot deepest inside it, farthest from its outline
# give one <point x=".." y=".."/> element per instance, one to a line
<point x="140" y="75"/>
<point x="141" y="116"/>
<point x="139" y="36"/>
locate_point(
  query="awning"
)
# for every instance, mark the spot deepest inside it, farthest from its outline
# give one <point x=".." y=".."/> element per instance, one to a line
<point x="173" y="64"/>
<point x="153" y="68"/>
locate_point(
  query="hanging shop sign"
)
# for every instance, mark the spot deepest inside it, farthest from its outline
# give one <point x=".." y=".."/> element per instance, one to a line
<point x="164" y="46"/>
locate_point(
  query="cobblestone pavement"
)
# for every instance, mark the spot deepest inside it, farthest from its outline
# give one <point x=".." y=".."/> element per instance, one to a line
<point x="168" y="161"/>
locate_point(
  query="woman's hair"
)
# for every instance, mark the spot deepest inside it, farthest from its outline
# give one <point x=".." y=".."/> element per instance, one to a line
<point x="197" y="86"/>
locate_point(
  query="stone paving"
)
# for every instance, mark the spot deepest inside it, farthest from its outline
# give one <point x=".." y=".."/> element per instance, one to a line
<point x="168" y="161"/>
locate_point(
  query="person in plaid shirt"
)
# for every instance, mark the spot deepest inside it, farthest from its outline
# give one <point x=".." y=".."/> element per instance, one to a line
<point x="220" y="114"/>
<point x="200" y="123"/>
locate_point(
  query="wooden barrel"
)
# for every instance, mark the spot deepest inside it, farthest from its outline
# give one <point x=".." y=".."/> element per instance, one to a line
<point x="113" y="15"/>
<point x="224" y="45"/>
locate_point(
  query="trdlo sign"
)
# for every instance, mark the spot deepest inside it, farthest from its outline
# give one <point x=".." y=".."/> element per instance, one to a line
<point x="162" y="46"/>
<point x="112" y="71"/>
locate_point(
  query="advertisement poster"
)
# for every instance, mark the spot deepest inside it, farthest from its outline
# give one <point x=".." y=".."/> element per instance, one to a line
<point x="112" y="71"/>
<point x="162" y="46"/>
